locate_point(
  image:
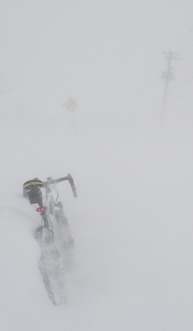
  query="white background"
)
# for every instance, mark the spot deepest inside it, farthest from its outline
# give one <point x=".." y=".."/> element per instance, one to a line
<point x="132" y="220"/>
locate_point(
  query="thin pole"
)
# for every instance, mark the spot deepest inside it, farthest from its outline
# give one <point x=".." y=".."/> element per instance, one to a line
<point x="167" y="76"/>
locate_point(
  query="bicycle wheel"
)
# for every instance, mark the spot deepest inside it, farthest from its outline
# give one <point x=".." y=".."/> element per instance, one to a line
<point x="50" y="268"/>
<point x="64" y="241"/>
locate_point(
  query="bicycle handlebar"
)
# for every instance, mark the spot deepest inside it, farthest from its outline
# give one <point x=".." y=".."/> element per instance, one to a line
<point x="58" y="180"/>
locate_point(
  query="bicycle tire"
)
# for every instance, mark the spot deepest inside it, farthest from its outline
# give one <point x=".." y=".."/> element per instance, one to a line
<point x="50" y="268"/>
<point x="64" y="241"/>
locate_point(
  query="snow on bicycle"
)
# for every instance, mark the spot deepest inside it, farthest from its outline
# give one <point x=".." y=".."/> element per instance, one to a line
<point x="53" y="234"/>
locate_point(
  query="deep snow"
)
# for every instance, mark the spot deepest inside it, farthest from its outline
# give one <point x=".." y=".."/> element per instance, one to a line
<point x="132" y="225"/>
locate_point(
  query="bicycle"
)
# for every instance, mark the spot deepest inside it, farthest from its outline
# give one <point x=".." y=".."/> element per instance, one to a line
<point x="53" y="236"/>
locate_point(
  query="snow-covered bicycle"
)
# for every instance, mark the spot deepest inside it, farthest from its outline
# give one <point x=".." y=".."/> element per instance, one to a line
<point x="53" y="235"/>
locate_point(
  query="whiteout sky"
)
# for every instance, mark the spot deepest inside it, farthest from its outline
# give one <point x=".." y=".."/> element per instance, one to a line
<point x="132" y="221"/>
<point x="108" y="55"/>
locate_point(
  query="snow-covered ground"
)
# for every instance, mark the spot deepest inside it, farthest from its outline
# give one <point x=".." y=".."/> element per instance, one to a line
<point x="132" y="225"/>
<point x="132" y="220"/>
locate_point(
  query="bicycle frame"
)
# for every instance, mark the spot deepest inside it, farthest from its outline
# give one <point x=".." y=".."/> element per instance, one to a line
<point x="46" y="209"/>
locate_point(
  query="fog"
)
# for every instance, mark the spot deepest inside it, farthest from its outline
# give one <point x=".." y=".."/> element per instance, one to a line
<point x="132" y="220"/>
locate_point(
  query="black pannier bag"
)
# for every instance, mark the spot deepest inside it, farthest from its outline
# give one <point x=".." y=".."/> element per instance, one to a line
<point x="32" y="191"/>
